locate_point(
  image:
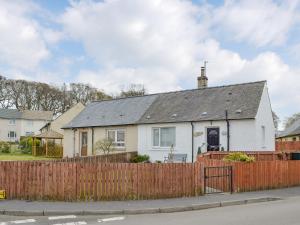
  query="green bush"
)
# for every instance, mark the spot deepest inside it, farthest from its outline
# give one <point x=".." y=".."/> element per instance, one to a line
<point x="140" y="158"/>
<point x="4" y="147"/>
<point x="26" y="144"/>
<point x="238" y="157"/>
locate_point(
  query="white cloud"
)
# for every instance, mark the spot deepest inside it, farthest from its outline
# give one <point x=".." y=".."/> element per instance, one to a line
<point x="23" y="40"/>
<point x="259" y="22"/>
<point x="162" y="44"/>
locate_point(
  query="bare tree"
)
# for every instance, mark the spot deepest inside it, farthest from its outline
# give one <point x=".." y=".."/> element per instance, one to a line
<point x="276" y="120"/>
<point x="104" y="145"/>
<point x="133" y="90"/>
<point x="290" y="120"/>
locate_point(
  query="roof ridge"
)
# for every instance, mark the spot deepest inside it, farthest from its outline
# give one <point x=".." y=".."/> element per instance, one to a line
<point x="186" y="90"/>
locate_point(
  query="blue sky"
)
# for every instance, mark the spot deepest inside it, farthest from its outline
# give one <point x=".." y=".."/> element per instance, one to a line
<point x="159" y="43"/>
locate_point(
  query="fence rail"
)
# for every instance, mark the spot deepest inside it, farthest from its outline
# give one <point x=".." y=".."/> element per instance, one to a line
<point x="123" y="157"/>
<point x="259" y="156"/>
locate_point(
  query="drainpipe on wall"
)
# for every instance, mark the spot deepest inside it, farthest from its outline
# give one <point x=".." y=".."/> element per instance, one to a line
<point x="92" y="140"/>
<point x="228" y="130"/>
<point x="74" y="152"/>
<point x="192" y="124"/>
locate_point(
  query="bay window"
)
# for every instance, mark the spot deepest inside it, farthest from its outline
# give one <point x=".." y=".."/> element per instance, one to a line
<point x="163" y="136"/>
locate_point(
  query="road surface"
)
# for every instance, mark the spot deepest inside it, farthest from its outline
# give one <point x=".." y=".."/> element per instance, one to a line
<point x="283" y="212"/>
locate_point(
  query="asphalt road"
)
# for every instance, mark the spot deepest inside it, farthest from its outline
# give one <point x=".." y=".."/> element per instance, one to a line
<point x="283" y="212"/>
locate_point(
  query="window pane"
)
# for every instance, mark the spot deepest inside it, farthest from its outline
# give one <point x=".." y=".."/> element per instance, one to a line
<point x="111" y="135"/>
<point x="167" y="136"/>
<point x="120" y="136"/>
<point x="155" y="134"/>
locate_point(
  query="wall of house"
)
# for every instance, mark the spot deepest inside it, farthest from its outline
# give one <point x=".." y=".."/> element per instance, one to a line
<point x="264" y="118"/>
<point x="65" y="118"/>
<point x="100" y="133"/>
<point x="21" y="126"/>
<point x="183" y="141"/>
<point x="5" y="127"/>
<point x="242" y="138"/>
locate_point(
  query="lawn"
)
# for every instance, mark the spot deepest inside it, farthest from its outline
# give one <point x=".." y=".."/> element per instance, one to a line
<point x="20" y="157"/>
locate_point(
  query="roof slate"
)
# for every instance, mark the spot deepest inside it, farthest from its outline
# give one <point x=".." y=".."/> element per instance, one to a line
<point x="294" y="129"/>
<point x="180" y="106"/>
<point x="112" y="112"/>
<point x="26" y="114"/>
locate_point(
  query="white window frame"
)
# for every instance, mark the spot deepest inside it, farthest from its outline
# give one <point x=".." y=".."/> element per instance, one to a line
<point x="116" y="143"/>
<point x="159" y="143"/>
<point x="12" y="122"/>
<point x="15" y="134"/>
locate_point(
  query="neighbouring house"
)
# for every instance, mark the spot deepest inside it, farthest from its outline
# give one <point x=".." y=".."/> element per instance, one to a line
<point x="233" y="117"/>
<point x="114" y="119"/>
<point x="15" y="124"/>
<point x="292" y="133"/>
<point x="65" y="118"/>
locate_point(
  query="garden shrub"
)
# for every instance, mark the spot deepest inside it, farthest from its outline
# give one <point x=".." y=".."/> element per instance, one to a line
<point x="238" y="157"/>
<point x="140" y="158"/>
<point x="26" y="144"/>
<point x="4" y="147"/>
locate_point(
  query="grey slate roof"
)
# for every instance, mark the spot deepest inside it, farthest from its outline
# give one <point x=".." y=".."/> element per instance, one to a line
<point x="112" y="112"/>
<point x="26" y="114"/>
<point x="294" y="129"/>
<point x="179" y="106"/>
<point x="191" y="104"/>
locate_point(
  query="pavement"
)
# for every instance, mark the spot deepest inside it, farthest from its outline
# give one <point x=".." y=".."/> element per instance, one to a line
<point x="46" y="208"/>
<point x="281" y="212"/>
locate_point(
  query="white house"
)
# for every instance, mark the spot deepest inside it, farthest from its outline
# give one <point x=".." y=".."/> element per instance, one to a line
<point x="234" y="117"/>
<point x="15" y="124"/>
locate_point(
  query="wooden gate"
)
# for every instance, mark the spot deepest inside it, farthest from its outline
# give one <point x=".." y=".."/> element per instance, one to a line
<point x="218" y="179"/>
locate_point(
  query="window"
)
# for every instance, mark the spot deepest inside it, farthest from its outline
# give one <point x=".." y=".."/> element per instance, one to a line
<point x="117" y="137"/>
<point x="163" y="137"/>
<point x="12" y="134"/>
<point x="29" y="133"/>
<point x="12" y="122"/>
<point x="294" y="139"/>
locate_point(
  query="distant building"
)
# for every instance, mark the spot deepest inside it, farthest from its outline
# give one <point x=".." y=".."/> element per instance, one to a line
<point x="292" y="133"/>
<point x="15" y="124"/>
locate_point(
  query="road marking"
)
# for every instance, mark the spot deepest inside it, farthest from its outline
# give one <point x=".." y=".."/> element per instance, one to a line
<point x="23" y="221"/>
<point x="3" y="223"/>
<point x="111" y="219"/>
<point x="72" y="223"/>
<point x="62" y="217"/>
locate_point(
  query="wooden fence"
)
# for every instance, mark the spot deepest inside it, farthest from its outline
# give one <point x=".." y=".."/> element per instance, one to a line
<point x="287" y="145"/>
<point x="258" y="155"/>
<point x="123" y="157"/>
<point x="71" y="181"/>
<point x="261" y="175"/>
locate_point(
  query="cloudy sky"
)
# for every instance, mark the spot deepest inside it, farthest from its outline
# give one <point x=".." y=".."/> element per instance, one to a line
<point x="159" y="43"/>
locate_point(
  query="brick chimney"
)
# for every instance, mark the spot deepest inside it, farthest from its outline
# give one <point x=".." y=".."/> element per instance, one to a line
<point x="202" y="80"/>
